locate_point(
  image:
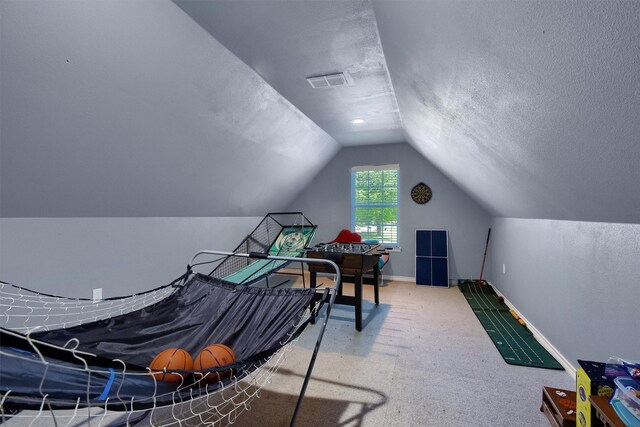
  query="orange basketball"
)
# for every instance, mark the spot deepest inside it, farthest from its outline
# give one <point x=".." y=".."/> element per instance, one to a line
<point x="211" y="357"/>
<point x="171" y="359"/>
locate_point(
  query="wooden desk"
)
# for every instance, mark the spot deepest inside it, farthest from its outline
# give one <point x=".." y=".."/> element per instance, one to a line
<point x="354" y="261"/>
<point x="605" y="412"/>
<point x="559" y="406"/>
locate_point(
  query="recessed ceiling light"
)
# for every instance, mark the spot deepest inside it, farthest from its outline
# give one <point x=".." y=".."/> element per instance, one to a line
<point x="357" y="121"/>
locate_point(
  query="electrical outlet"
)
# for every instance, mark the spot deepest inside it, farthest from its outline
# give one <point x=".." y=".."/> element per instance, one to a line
<point x="97" y="294"/>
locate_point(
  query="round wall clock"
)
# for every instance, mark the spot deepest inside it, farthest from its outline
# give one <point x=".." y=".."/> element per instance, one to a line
<point x="421" y="193"/>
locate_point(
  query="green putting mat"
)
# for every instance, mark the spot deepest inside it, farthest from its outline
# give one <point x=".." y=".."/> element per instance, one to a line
<point x="514" y="341"/>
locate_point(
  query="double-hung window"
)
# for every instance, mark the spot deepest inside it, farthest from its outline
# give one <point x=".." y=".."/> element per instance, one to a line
<point x="375" y="202"/>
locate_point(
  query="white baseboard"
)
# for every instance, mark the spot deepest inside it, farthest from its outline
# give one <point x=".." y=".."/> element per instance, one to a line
<point x="399" y="278"/>
<point x="385" y="277"/>
<point x="571" y="370"/>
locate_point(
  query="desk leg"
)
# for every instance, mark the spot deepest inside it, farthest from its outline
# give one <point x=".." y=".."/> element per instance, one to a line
<point x="376" y="278"/>
<point x="312" y="285"/>
<point x="358" y="298"/>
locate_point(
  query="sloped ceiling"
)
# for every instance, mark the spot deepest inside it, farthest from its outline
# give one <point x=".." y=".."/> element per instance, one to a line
<point x="201" y="108"/>
<point x="129" y="108"/>
<point x="286" y="41"/>
<point x="530" y="107"/>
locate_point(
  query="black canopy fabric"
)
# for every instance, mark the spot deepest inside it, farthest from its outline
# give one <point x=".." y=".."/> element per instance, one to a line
<point x="29" y="379"/>
<point x="204" y="311"/>
<point x="254" y="322"/>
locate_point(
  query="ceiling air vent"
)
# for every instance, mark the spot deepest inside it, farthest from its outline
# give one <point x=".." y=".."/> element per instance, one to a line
<point x="328" y="80"/>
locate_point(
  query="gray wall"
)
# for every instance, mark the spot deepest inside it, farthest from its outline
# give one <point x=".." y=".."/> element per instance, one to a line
<point x="71" y="256"/>
<point x="576" y="282"/>
<point x="327" y="202"/>
<point x="130" y="109"/>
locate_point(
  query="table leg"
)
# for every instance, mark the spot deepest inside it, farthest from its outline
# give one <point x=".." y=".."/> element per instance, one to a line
<point x="376" y="278"/>
<point x="358" y="298"/>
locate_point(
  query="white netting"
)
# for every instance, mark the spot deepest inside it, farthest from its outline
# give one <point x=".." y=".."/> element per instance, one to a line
<point x="26" y="311"/>
<point x="193" y="403"/>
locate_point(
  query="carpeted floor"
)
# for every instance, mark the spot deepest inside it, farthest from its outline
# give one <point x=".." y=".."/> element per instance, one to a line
<point x="422" y="359"/>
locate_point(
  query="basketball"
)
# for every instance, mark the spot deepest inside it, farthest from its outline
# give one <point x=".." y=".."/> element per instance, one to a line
<point x="211" y="357"/>
<point x="171" y="359"/>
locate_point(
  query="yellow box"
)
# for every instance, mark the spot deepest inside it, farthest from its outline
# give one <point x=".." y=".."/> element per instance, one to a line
<point x="590" y="380"/>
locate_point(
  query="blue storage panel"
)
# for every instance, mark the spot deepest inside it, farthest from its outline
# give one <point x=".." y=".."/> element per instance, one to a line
<point x="439" y="272"/>
<point x="423" y="270"/>
<point x="432" y="257"/>
<point x="423" y="242"/>
<point x="439" y="243"/>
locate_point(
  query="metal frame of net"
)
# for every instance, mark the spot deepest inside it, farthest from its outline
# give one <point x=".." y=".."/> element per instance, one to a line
<point x="192" y="401"/>
<point x="279" y="233"/>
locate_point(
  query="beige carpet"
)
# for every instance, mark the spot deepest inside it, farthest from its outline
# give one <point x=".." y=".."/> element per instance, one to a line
<point x="422" y="359"/>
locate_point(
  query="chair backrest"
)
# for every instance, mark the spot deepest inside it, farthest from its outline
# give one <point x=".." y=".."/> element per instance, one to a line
<point x="347" y="236"/>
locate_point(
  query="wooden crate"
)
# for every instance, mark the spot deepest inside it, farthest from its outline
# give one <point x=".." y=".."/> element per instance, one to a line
<point x="559" y="406"/>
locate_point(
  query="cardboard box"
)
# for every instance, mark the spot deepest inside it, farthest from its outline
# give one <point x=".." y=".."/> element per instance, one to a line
<point x="591" y="380"/>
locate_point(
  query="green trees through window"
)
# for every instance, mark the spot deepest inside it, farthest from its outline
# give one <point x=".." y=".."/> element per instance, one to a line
<point x="374" y="202"/>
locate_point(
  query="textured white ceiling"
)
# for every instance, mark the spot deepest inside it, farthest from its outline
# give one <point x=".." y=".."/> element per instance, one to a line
<point x="531" y="107"/>
<point x="285" y="41"/>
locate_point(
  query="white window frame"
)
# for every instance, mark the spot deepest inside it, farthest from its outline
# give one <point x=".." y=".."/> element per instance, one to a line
<point x="395" y="205"/>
